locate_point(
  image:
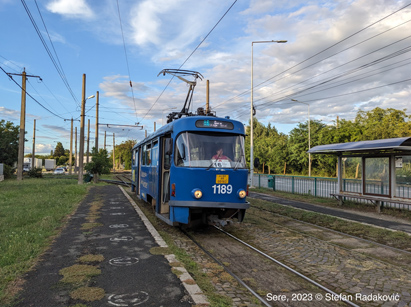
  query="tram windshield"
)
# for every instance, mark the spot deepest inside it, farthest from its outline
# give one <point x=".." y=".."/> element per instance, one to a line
<point x="210" y="150"/>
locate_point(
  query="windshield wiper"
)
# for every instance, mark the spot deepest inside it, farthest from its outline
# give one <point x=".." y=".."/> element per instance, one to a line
<point x="238" y="162"/>
<point x="209" y="166"/>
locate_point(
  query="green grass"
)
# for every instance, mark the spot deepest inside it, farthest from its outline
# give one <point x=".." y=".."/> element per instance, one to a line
<point x="31" y="212"/>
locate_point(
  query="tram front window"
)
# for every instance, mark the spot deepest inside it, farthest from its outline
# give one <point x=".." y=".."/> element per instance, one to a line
<point x="204" y="150"/>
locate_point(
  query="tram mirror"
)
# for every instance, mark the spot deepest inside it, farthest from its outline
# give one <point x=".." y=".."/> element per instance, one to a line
<point x="256" y="162"/>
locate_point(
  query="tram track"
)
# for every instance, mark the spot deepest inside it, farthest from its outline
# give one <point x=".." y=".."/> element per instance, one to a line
<point x="404" y="266"/>
<point x="263" y="269"/>
<point x="350" y="274"/>
<point x="332" y="230"/>
<point x="120" y="182"/>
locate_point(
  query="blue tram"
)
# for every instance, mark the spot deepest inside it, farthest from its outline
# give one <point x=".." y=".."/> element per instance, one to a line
<point x="193" y="170"/>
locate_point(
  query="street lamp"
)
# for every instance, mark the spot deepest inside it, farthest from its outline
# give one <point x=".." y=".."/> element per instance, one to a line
<point x="252" y="109"/>
<point x="309" y="136"/>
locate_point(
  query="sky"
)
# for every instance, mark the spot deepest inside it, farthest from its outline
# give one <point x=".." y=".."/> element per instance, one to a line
<point x="341" y="56"/>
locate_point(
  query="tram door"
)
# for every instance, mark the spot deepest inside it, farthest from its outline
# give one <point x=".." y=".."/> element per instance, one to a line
<point x="167" y="146"/>
<point x="137" y="171"/>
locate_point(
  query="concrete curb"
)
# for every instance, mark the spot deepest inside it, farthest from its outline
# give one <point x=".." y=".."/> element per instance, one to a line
<point x="189" y="284"/>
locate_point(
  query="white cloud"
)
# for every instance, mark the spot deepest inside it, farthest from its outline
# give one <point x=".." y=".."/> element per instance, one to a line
<point x="44" y="149"/>
<point x="9" y="114"/>
<point x="171" y="26"/>
<point x="71" y="8"/>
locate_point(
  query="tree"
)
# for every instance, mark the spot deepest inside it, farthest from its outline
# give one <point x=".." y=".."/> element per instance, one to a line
<point x="123" y="153"/>
<point x="298" y="144"/>
<point x="100" y="163"/>
<point x="59" y="150"/>
<point x="62" y="160"/>
<point x="9" y="142"/>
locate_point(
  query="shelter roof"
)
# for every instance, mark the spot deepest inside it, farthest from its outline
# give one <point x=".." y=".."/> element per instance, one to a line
<point x="394" y="144"/>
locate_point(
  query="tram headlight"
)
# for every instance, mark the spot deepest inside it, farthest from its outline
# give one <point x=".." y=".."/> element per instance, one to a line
<point x="241" y="193"/>
<point x="197" y="193"/>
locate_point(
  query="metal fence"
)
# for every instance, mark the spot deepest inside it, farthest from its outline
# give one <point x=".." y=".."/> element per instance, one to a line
<point x="324" y="186"/>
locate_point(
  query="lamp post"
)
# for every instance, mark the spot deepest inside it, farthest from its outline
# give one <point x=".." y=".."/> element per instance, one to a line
<point x="252" y="109"/>
<point x="309" y="135"/>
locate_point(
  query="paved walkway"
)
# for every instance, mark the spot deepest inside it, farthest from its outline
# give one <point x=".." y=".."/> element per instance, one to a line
<point x="106" y="256"/>
<point x="349" y="215"/>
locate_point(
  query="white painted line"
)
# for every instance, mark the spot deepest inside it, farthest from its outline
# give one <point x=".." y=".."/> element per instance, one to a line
<point x="193" y="290"/>
<point x="123" y="261"/>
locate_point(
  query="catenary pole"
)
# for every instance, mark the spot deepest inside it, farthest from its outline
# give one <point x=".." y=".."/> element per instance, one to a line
<point x="71" y="148"/>
<point x="33" y="150"/>
<point x="97" y="102"/>
<point x="81" y="150"/>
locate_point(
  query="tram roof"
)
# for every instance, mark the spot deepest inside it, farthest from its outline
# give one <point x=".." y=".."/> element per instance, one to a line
<point x="183" y="124"/>
<point x="394" y="144"/>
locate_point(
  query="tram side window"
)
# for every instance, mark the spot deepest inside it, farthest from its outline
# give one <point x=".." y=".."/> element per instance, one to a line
<point x="154" y="154"/>
<point x="145" y="155"/>
<point x="148" y="154"/>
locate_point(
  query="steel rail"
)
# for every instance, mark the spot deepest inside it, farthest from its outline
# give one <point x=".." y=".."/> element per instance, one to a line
<point x="115" y="182"/>
<point x="339" y="232"/>
<point x="227" y="270"/>
<point x="288" y="268"/>
<point x="326" y="242"/>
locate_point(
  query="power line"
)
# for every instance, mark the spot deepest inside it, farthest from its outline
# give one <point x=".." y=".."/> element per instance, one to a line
<point x="58" y="68"/>
<point x="125" y="53"/>
<point x="195" y="49"/>
<point x="318" y="53"/>
<point x="384" y="58"/>
<point x="9" y="75"/>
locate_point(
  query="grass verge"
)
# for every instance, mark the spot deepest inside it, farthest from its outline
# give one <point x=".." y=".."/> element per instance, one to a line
<point x="31" y="212"/>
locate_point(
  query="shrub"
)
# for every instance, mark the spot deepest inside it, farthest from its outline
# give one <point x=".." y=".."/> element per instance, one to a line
<point x="35" y="173"/>
<point x="8" y="171"/>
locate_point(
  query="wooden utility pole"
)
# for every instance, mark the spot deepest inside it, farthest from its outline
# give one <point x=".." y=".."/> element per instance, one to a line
<point x="105" y="135"/>
<point x="81" y="153"/>
<point x="96" y="141"/>
<point x="114" y="152"/>
<point x="71" y="148"/>
<point x="208" y="97"/>
<point x="88" y="140"/>
<point x="20" y="157"/>
<point x="20" y="160"/>
<point x="33" y="151"/>
<point x="154" y="126"/>
<point x="75" y="153"/>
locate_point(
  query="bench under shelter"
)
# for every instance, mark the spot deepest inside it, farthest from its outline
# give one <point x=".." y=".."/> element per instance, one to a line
<point x="376" y="171"/>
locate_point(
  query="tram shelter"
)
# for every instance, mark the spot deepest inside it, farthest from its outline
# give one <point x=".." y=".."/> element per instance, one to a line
<point x="377" y="171"/>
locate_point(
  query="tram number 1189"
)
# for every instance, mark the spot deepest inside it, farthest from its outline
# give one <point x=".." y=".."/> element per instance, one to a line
<point x="222" y="188"/>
